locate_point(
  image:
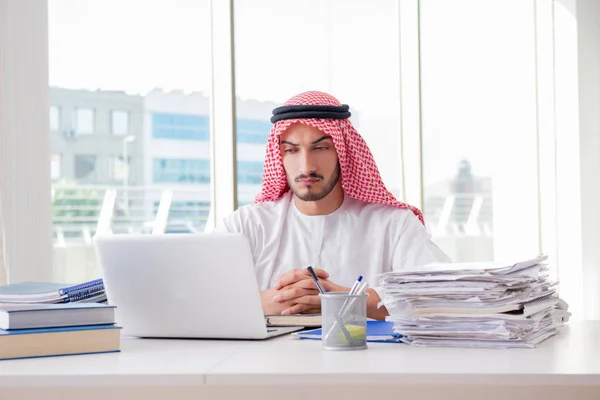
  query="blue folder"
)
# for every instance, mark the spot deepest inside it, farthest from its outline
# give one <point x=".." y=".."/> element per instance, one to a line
<point x="377" y="331"/>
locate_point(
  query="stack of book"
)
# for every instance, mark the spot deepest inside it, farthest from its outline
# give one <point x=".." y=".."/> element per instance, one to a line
<point x="482" y="304"/>
<point x="45" y="319"/>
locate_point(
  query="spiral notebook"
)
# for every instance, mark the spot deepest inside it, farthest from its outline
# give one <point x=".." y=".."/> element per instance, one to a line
<point x="49" y="292"/>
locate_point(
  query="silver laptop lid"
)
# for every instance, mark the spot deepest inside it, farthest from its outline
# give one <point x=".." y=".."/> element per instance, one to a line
<point x="182" y="285"/>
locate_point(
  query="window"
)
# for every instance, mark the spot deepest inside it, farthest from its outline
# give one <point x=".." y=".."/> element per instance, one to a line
<point x="181" y="127"/>
<point x="55" y="166"/>
<point x="253" y="131"/>
<point x="119" y="168"/>
<point x="250" y="172"/>
<point x="85" y="167"/>
<point x="120" y="122"/>
<point x="54" y="119"/>
<point x="186" y="171"/>
<point x="114" y="102"/>
<point x="84" y="121"/>
<point x="186" y="216"/>
<point x="478" y="136"/>
<point x="343" y="62"/>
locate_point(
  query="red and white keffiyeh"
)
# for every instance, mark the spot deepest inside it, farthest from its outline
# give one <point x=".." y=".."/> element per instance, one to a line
<point x="360" y="177"/>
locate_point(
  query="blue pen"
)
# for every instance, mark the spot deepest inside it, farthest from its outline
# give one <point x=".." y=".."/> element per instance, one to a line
<point x="354" y="290"/>
<point x="355" y="286"/>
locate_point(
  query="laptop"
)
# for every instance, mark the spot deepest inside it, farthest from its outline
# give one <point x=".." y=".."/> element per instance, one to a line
<point x="184" y="286"/>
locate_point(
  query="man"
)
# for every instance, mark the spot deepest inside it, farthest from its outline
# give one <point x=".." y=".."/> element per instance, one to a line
<point x="323" y="203"/>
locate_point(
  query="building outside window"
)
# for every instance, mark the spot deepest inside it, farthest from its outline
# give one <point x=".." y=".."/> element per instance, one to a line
<point x="253" y="131"/>
<point x="176" y="170"/>
<point x="180" y="126"/>
<point x="85" y="166"/>
<point x="250" y="172"/>
<point x="118" y="168"/>
<point x="55" y="166"/>
<point x="120" y="123"/>
<point x="54" y="118"/>
<point x="84" y="121"/>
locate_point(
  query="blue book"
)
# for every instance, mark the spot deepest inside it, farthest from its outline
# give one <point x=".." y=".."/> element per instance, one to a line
<point x="49" y="292"/>
<point x="28" y="343"/>
<point x="377" y="331"/>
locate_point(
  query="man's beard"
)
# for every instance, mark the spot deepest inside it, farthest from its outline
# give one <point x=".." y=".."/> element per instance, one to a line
<point x="310" y="196"/>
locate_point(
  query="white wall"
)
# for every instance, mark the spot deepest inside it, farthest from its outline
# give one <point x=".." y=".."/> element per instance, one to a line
<point x="588" y="31"/>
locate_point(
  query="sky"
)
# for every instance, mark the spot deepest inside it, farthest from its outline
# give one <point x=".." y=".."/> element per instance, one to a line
<point x="475" y="88"/>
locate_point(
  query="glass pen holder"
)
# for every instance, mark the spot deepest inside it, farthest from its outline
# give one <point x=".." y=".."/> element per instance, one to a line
<point x="344" y="321"/>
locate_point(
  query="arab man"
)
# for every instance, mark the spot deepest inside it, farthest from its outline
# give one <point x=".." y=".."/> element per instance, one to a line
<point x="323" y="204"/>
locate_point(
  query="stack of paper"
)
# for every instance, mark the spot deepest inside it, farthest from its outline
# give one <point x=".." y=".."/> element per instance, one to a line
<point x="485" y="304"/>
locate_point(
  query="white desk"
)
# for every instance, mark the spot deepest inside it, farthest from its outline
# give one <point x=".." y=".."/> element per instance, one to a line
<point x="564" y="367"/>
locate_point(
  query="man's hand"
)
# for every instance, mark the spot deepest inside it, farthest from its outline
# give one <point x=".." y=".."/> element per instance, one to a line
<point x="295" y="292"/>
<point x="297" y="275"/>
<point x="301" y="296"/>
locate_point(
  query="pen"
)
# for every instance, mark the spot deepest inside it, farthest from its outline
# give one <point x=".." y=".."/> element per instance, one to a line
<point x="321" y="290"/>
<point x="314" y="276"/>
<point x="355" y="286"/>
<point x="361" y="288"/>
<point x="350" y="302"/>
<point x="352" y="292"/>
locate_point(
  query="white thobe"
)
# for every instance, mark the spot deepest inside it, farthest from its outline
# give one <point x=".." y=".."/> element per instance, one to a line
<point x="356" y="239"/>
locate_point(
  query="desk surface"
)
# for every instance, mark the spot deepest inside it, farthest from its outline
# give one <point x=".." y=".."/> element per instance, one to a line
<point x="571" y="358"/>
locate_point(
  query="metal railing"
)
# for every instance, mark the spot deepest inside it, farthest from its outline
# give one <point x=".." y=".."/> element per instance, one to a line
<point x="81" y="211"/>
<point x="460" y="224"/>
<point x="459" y="215"/>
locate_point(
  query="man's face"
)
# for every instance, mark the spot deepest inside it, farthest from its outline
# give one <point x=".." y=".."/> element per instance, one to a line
<point x="310" y="162"/>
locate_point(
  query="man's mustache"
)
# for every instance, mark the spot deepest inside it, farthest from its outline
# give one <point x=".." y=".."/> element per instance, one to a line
<point x="310" y="176"/>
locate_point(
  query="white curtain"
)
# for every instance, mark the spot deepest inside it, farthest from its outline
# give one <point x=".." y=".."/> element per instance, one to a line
<point x="26" y="220"/>
<point x="2" y="265"/>
<point x="2" y="268"/>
